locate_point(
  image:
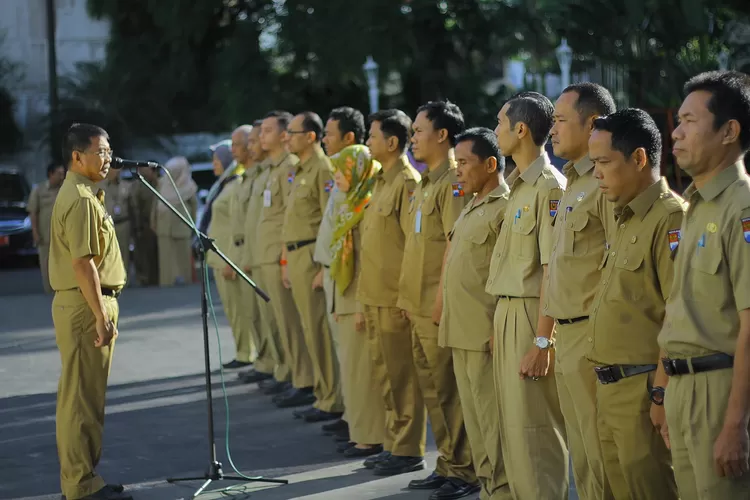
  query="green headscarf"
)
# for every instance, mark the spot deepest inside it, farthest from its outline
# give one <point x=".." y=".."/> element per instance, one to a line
<point x="356" y="164"/>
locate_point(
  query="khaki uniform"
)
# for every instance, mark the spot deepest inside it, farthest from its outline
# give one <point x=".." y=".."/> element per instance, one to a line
<point x="119" y="206"/>
<point x="220" y="230"/>
<point x="41" y="201"/>
<point x="146" y="255"/>
<point x="625" y="319"/>
<point x="711" y="277"/>
<point x="438" y="201"/>
<point x="529" y="409"/>
<point x="583" y="223"/>
<point x="173" y="240"/>
<point x="466" y="328"/>
<point x="81" y="227"/>
<point x="311" y="186"/>
<point x="266" y="256"/>
<point x="383" y="232"/>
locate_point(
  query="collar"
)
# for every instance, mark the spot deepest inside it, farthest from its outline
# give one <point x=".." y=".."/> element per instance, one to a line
<point x="397" y="168"/>
<point x="282" y="160"/>
<point x="641" y="204"/>
<point x="77" y="178"/>
<point x="535" y="169"/>
<point x="436" y="174"/>
<point x="718" y="184"/>
<point x="501" y="190"/>
<point x="582" y="166"/>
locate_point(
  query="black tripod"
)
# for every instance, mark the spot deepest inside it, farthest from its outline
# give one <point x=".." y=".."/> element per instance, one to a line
<point x="214" y="471"/>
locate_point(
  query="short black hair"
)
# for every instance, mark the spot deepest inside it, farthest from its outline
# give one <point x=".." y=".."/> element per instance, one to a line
<point x="536" y="111"/>
<point x="350" y="120"/>
<point x="484" y="144"/>
<point x="593" y="99"/>
<point x="632" y="128"/>
<point x="394" y="123"/>
<point x="282" y="118"/>
<point x="730" y="99"/>
<point x="78" y="138"/>
<point x="445" y="115"/>
<point x="52" y="167"/>
<point x="311" y="122"/>
<point x="257" y="123"/>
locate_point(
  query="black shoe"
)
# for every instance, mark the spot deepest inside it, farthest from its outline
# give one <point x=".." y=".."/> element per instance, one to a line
<point x="236" y="364"/>
<point x="341" y="436"/>
<point x="399" y="465"/>
<point x="321" y="416"/>
<point x="253" y="376"/>
<point x="455" y="488"/>
<point x="264" y="384"/>
<point x="333" y="427"/>
<point x="371" y="462"/>
<point x="108" y="493"/>
<point x="304" y="413"/>
<point x="283" y="395"/>
<point x="274" y="387"/>
<point x="299" y="398"/>
<point x="355" y="452"/>
<point x="341" y="448"/>
<point x="431" y="482"/>
<point x="114" y="488"/>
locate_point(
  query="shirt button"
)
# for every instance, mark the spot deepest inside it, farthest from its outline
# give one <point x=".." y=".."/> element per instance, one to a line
<point x="613" y="254"/>
<point x="489" y="282"/>
<point x="622" y="226"/>
<point x="604" y="282"/>
<point x="625" y="261"/>
<point x="590" y="340"/>
<point x="633" y="239"/>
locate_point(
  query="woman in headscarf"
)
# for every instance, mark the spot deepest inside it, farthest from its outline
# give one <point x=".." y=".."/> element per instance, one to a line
<point x="224" y="166"/>
<point x="173" y="237"/>
<point x="354" y="171"/>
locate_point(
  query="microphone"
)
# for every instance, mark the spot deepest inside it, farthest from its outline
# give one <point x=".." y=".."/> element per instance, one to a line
<point x="118" y="163"/>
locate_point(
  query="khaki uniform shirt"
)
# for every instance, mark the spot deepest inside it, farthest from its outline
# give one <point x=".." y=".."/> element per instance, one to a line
<point x="712" y="268"/>
<point x="167" y="225"/>
<point x="468" y="310"/>
<point x="267" y="243"/>
<point x="438" y="201"/>
<point x="252" y="217"/>
<point x="238" y="211"/>
<point x="81" y="227"/>
<point x="117" y="200"/>
<point x="311" y="187"/>
<point x="628" y="309"/>
<point x="41" y="201"/>
<point x="584" y="221"/>
<point x="525" y="240"/>
<point x="384" y="229"/>
<point x="220" y="228"/>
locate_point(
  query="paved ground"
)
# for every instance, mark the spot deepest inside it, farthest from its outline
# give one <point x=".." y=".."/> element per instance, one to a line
<point x="156" y="410"/>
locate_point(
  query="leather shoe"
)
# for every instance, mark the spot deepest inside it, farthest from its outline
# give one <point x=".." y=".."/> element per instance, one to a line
<point x="274" y="387"/>
<point x="236" y="364"/>
<point x="304" y="413"/>
<point x="454" y="488"/>
<point x="114" y="488"/>
<point x="253" y="376"/>
<point x="371" y="462"/>
<point x="398" y="465"/>
<point x="431" y="482"/>
<point x="283" y="395"/>
<point x="341" y="448"/>
<point x="341" y="436"/>
<point x="300" y="397"/>
<point x="333" y="427"/>
<point x="321" y="416"/>
<point x="355" y="452"/>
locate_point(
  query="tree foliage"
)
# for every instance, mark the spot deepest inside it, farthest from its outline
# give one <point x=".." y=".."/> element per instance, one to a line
<point x="10" y="135"/>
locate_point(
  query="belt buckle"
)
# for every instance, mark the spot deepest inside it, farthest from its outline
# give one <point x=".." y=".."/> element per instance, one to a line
<point x="670" y="366"/>
<point x="605" y="374"/>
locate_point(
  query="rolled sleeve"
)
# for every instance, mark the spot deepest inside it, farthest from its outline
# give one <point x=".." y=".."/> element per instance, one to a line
<point x="83" y="225"/>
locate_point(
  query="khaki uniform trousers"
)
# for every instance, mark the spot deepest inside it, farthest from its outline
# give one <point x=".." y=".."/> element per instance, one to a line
<point x="576" y="388"/>
<point x="329" y="289"/>
<point x="175" y="261"/>
<point x="364" y="405"/>
<point x="44" y="267"/>
<point x="270" y="336"/>
<point x="291" y="340"/>
<point x="122" y="229"/>
<point x="311" y="305"/>
<point x="389" y="336"/>
<point x="532" y="426"/>
<point x="695" y="406"/>
<point x="437" y="382"/>
<point x="81" y="391"/>
<point x="636" y="460"/>
<point x="476" y="389"/>
<point x="229" y="292"/>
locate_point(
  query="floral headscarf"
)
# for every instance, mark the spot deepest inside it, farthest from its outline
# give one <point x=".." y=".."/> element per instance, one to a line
<point x="356" y="164"/>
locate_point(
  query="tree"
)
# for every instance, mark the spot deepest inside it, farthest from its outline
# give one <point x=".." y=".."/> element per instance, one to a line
<point x="11" y="137"/>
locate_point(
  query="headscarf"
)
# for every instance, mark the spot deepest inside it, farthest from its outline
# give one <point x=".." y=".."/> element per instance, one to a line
<point x="356" y="164"/>
<point x="179" y="168"/>
<point x="223" y="150"/>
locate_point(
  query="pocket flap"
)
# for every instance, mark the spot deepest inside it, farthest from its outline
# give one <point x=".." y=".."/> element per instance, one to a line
<point x="707" y="260"/>
<point x="629" y="262"/>
<point x="479" y="236"/>
<point x="524" y="225"/>
<point x="576" y="222"/>
<point x="384" y="209"/>
<point x="428" y="206"/>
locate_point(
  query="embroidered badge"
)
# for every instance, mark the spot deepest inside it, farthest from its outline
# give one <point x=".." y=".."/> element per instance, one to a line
<point x="290" y="177"/>
<point x="711" y="227"/>
<point x="746" y="229"/>
<point x="411" y="195"/>
<point x="674" y="238"/>
<point x="458" y="190"/>
<point x="526" y="208"/>
<point x="553" y="207"/>
<point x="328" y="186"/>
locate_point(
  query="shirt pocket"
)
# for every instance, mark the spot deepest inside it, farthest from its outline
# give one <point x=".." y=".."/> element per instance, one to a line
<point x="303" y="199"/>
<point x="524" y="243"/>
<point x="629" y="267"/>
<point x="381" y="212"/>
<point x="706" y="280"/>
<point x="432" y="225"/>
<point x="479" y="251"/>
<point x="575" y="240"/>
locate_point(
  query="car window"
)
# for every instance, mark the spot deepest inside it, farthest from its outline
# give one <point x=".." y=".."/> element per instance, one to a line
<point x="13" y="188"/>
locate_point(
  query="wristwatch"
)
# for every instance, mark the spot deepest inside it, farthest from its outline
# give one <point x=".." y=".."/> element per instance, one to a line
<point x="656" y="395"/>
<point x="543" y="342"/>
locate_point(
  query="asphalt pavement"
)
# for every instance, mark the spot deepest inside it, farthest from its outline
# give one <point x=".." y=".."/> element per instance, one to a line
<point x="156" y="425"/>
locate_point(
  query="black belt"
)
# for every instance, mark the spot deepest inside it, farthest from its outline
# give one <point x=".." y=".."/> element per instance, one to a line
<point x="699" y="364"/>
<point x="240" y="242"/>
<point x="614" y="373"/>
<point x="327" y="267"/>
<point x="572" y="320"/>
<point x="507" y="297"/>
<point x="290" y="247"/>
<point x="107" y="292"/>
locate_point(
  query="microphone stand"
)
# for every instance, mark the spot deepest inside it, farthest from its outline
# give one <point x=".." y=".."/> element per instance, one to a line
<point x="214" y="471"/>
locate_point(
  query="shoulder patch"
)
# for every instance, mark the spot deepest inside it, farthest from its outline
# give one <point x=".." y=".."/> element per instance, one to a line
<point x="328" y="186"/>
<point x="673" y="238"/>
<point x="746" y="228"/>
<point x="411" y="195"/>
<point x="458" y="190"/>
<point x="553" y="204"/>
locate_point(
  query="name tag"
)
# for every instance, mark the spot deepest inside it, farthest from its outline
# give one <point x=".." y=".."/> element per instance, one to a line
<point x="267" y="198"/>
<point x="418" y="222"/>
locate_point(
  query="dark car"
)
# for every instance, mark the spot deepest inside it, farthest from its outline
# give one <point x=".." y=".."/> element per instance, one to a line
<point x="16" y="238"/>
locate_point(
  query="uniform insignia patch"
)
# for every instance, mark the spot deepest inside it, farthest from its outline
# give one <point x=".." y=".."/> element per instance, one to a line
<point x="458" y="190"/>
<point x="290" y="177"/>
<point x="746" y="228"/>
<point x="711" y="227"/>
<point x="553" y="204"/>
<point x="674" y="238"/>
<point x="411" y="195"/>
<point x="328" y="186"/>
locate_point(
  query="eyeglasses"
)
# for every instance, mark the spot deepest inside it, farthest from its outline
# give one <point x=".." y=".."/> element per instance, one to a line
<point x="102" y="153"/>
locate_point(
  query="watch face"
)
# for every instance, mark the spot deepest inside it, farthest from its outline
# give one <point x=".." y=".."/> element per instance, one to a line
<point x="542" y="342"/>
